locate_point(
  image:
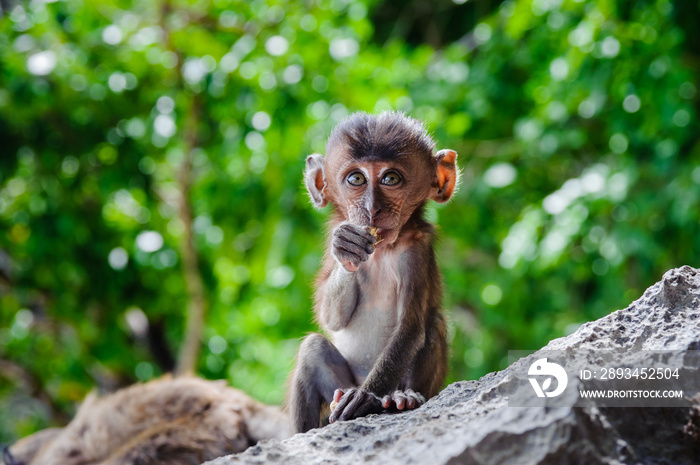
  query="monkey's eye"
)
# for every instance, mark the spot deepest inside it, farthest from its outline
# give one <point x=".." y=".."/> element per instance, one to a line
<point x="392" y="178"/>
<point x="356" y="179"/>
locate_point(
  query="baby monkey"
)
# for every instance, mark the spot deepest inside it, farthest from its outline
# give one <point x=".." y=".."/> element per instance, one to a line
<point x="378" y="294"/>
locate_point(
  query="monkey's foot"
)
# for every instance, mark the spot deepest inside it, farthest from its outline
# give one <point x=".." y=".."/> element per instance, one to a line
<point x="403" y="400"/>
<point x="354" y="403"/>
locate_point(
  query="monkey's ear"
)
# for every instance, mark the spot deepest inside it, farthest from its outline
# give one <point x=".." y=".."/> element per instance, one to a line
<point x="446" y="175"/>
<point x="315" y="180"/>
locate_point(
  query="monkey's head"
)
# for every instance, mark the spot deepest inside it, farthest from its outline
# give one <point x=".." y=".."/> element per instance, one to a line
<point x="378" y="170"/>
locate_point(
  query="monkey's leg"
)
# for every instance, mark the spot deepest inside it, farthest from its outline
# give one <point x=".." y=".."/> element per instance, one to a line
<point x="428" y="372"/>
<point x="320" y="370"/>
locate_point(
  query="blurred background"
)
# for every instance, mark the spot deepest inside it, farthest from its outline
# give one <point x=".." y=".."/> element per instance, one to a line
<point x="152" y="154"/>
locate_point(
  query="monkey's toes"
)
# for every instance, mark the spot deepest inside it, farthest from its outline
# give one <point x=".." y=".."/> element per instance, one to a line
<point x="403" y="400"/>
<point x="414" y="399"/>
<point x="355" y="403"/>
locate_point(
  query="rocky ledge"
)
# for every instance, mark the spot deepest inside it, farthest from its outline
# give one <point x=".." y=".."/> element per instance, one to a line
<point x="471" y="422"/>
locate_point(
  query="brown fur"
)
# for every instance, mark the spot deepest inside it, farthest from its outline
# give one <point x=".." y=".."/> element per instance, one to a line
<point x="174" y="421"/>
<point x="378" y="302"/>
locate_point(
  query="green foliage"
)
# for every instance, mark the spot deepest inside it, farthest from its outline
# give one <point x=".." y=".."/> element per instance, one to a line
<point x="575" y="123"/>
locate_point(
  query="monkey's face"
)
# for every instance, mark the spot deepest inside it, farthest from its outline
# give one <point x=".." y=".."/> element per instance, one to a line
<point x="378" y="170"/>
<point x="380" y="194"/>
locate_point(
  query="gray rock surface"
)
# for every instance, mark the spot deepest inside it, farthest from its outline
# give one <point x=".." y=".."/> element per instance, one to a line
<point x="470" y="422"/>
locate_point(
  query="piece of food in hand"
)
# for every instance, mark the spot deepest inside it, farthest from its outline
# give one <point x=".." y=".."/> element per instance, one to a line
<point x="334" y="404"/>
<point x="373" y="231"/>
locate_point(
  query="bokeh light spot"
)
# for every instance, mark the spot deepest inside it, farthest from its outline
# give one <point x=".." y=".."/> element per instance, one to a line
<point x="491" y="294"/>
<point x="42" y="63"/>
<point x="500" y="175"/>
<point x="118" y="258"/>
<point x="149" y="241"/>
<point x="112" y="35"/>
<point x="261" y="121"/>
<point x="631" y="104"/>
<point x="277" y="45"/>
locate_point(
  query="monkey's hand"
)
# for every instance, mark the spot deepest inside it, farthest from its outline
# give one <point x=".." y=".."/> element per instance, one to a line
<point x="354" y="403"/>
<point x="403" y="400"/>
<point x="352" y="245"/>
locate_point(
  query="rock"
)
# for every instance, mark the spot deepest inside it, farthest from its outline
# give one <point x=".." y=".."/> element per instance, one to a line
<point x="470" y="422"/>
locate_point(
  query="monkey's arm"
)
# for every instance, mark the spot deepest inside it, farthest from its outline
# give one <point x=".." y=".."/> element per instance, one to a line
<point x="338" y="293"/>
<point x="337" y="299"/>
<point x="406" y="340"/>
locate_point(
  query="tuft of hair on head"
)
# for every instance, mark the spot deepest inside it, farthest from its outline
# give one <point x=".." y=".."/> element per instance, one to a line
<point x="384" y="136"/>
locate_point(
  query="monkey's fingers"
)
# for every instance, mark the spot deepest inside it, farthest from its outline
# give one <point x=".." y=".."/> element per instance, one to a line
<point x="350" y="250"/>
<point x="354" y="233"/>
<point x="350" y="261"/>
<point x="350" y="265"/>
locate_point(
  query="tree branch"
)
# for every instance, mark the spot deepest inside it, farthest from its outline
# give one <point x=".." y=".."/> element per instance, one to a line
<point x="189" y="351"/>
<point x="196" y="301"/>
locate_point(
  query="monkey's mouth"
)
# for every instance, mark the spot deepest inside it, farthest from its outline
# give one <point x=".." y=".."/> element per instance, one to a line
<point x="380" y="234"/>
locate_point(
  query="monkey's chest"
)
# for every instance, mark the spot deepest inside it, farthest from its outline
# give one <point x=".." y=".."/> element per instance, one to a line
<point x="366" y="336"/>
